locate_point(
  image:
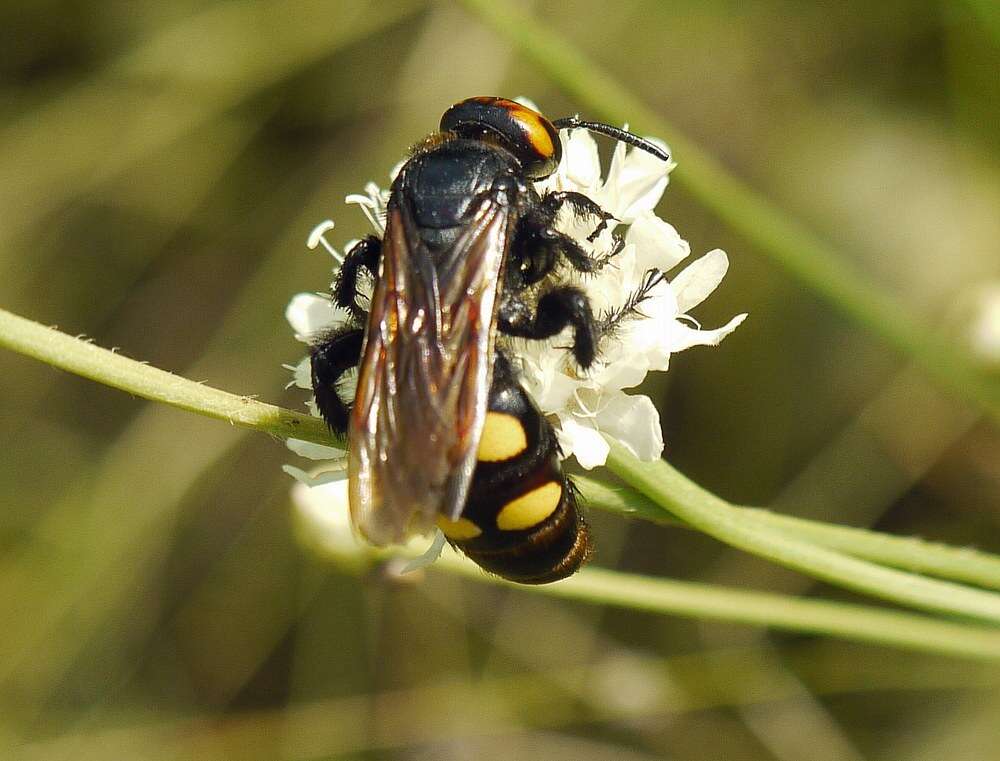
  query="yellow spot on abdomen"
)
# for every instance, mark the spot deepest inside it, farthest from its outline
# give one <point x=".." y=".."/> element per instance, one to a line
<point x="458" y="530"/>
<point x="530" y="509"/>
<point x="503" y="437"/>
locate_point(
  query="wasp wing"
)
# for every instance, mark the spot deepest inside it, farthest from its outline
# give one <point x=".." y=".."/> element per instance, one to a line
<point x="424" y="375"/>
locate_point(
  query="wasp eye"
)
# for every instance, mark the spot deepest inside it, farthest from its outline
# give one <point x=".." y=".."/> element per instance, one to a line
<point x="527" y="134"/>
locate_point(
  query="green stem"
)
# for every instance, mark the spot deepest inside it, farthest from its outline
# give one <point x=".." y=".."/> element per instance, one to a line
<point x="908" y="553"/>
<point x="658" y="480"/>
<point x="715" y="517"/>
<point x="598" y="586"/>
<point x="705" y="601"/>
<point x="816" y="264"/>
<point x="112" y="369"/>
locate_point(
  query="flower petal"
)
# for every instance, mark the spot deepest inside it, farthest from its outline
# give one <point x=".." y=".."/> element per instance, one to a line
<point x="658" y="244"/>
<point x="316" y="480"/>
<point x="314" y="451"/>
<point x="696" y="281"/>
<point x="634" y="421"/>
<point x="607" y="194"/>
<point x="586" y="444"/>
<point x="324" y="517"/>
<point x="302" y="374"/>
<point x="683" y="336"/>
<point x="649" y="337"/>
<point x="609" y="289"/>
<point x="309" y="314"/>
<point x="628" y="372"/>
<point x="553" y="391"/>
<point x="639" y="180"/>
<point x="581" y="160"/>
<point x="432" y="553"/>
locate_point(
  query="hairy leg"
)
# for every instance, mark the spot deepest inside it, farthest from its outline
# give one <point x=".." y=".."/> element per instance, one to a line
<point x="364" y="254"/>
<point x="557" y="308"/>
<point x="539" y="247"/>
<point x="581" y="205"/>
<point x="330" y="358"/>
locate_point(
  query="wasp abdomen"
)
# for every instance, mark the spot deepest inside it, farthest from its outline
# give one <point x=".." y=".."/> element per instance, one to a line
<point x="520" y="520"/>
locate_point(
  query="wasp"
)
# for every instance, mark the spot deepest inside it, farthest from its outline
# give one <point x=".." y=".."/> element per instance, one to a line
<point x="440" y="431"/>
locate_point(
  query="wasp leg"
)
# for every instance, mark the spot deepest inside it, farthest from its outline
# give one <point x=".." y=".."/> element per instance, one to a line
<point x="611" y="320"/>
<point x="330" y="358"/>
<point x="539" y="246"/>
<point x="556" y="309"/>
<point x="363" y="254"/>
<point x="581" y="205"/>
<point x="584" y="262"/>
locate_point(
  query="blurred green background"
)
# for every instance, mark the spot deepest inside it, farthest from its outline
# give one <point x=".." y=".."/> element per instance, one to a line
<point x="160" y="167"/>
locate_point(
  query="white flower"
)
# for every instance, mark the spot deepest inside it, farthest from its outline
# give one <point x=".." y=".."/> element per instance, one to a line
<point x="585" y="407"/>
<point x="323" y="523"/>
<point x="323" y="519"/>
<point x="588" y="406"/>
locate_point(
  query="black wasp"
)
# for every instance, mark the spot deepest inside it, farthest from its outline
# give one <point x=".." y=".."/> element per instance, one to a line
<point x="440" y="431"/>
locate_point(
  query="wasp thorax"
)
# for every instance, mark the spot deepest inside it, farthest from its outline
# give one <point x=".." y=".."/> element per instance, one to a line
<point x="527" y="134"/>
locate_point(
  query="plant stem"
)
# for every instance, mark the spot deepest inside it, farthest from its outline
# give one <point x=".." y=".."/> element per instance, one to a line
<point x="112" y="369"/>
<point x="705" y="601"/>
<point x="795" y="248"/>
<point x="598" y="586"/>
<point x="658" y="481"/>
<point x="715" y="517"/>
<point x="908" y="553"/>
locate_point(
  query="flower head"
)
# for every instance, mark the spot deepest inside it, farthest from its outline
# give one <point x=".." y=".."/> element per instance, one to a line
<point x="644" y="311"/>
<point x="588" y="406"/>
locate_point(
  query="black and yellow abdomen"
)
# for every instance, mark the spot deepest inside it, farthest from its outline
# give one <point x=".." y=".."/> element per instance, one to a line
<point x="520" y="520"/>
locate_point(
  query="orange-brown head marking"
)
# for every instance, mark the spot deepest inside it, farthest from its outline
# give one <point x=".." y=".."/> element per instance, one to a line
<point x="527" y="134"/>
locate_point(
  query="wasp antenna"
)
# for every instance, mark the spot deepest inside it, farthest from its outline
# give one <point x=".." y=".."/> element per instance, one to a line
<point x="574" y="122"/>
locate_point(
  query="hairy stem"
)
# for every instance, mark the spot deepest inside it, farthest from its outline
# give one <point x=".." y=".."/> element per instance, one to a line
<point x="112" y="369"/>
<point x="713" y="516"/>
<point x="687" y="599"/>
<point x="658" y="481"/>
<point x="908" y="553"/>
